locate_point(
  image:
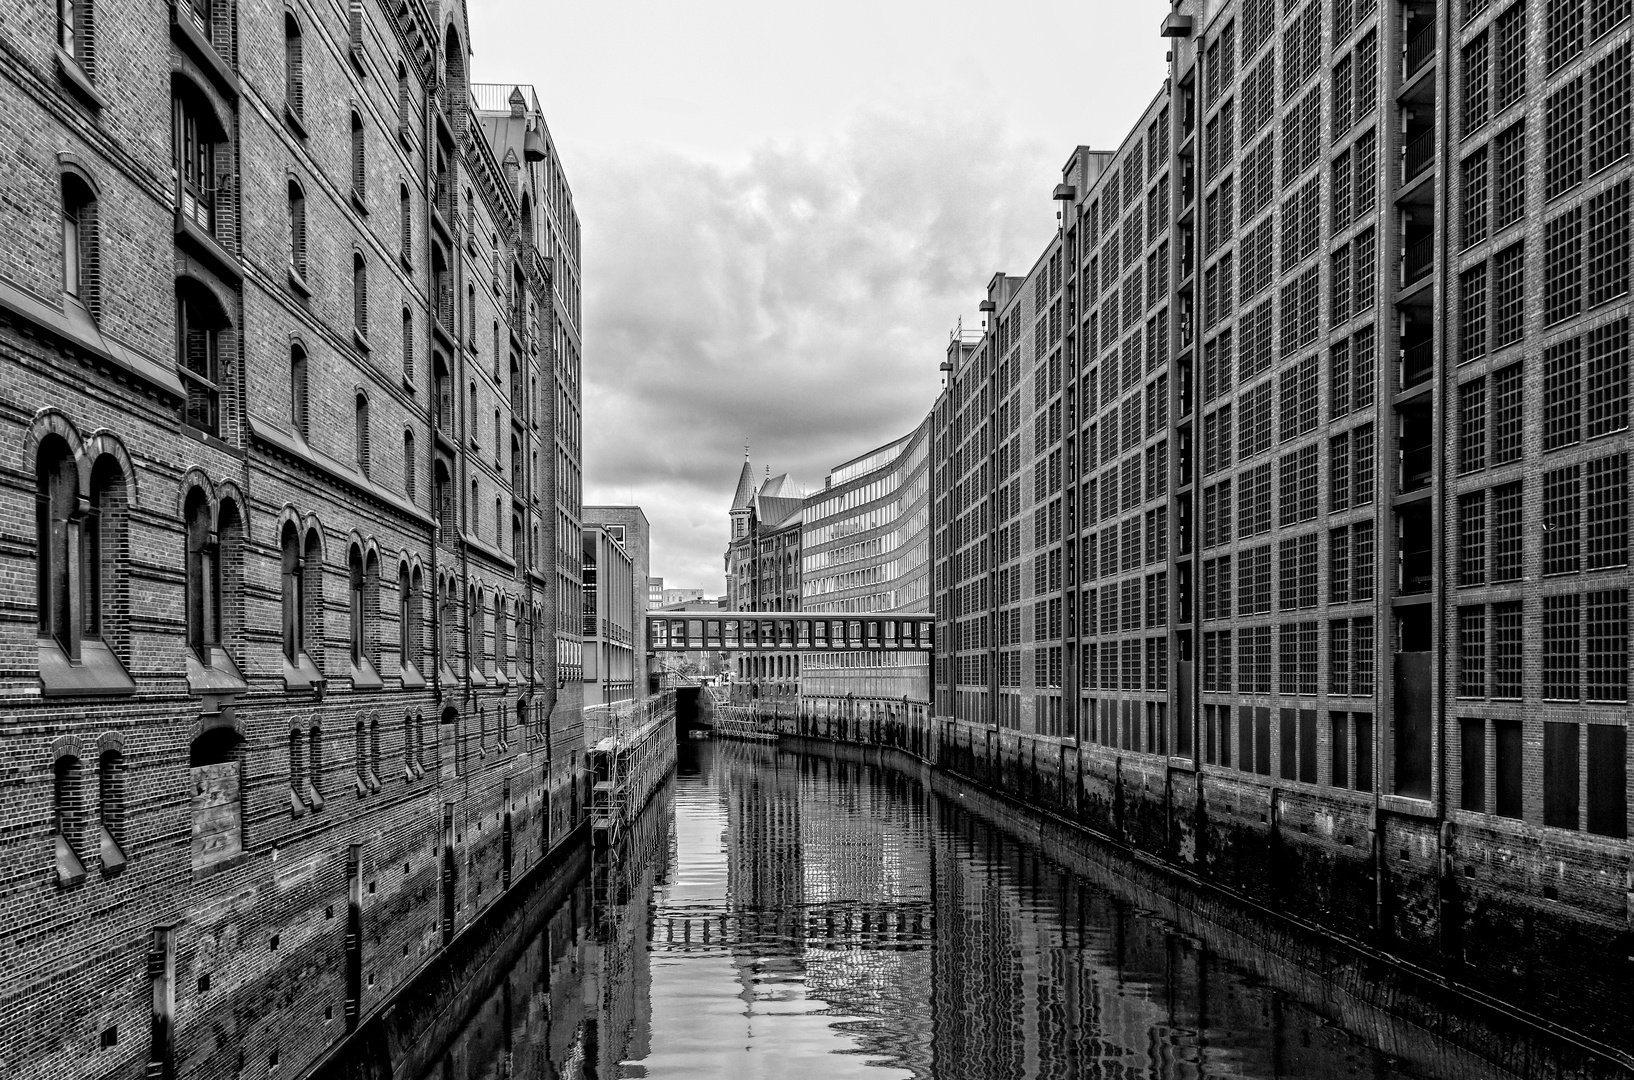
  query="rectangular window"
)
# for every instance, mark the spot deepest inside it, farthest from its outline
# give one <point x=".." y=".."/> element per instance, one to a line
<point x="1362" y="730"/>
<point x="1339" y="749"/>
<point x="1606" y="507"/>
<point x="1508" y="295"/>
<point x="1339" y="472"/>
<point x="1609" y="108"/>
<point x="1606" y="408"/>
<point x="1560" y="648"/>
<point x="1508" y="176"/>
<point x="1563" y="266"/>
<point x="1362" y="465"/>
<point x="1477" y="69"/>
<point x="1508" y="414"/>
<point x="1472" y="530"/>
<point x="1339" y="657"/>
<point x="1507" y="757"/>
<point x="1509" y="82"/>
<point x="1361" y="547"/>
<point x="1339" y="566"/>
<point x="1560" y="775"/>
<point x="1506" y="532"/>
<point x="1608" y="780"/>
<point x="1563" y="33"/>
<point x="1472" y="432"/>
<point x="1562" y="536"/>
<point x="1362" y="666"/>
<point x="1472" y="765"/>
<point x="1472" y="651"/>
<point x="1608" y="242"/>
<point x="1563" y="125"/>
<point x="1472" y="306"/>
<point x="1562" y="393"/>
<point x="1606" y="637"/>
<point x="1474" y="170"/>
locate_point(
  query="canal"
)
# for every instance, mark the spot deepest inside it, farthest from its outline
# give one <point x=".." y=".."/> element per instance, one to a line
<point x="779" y="914"/>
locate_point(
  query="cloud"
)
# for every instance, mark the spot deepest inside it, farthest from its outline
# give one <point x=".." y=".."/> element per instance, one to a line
<point x="800" y="300"/>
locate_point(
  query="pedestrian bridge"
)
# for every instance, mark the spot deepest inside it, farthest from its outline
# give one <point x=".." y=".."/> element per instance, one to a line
<point x="744" y="630"/>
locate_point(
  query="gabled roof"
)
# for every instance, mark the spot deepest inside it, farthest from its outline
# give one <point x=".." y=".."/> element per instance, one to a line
<point x="746" y="487"/>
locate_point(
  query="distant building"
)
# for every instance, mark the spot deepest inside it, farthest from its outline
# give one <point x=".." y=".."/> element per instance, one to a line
<point x="763" y="571"/>
<point x="628" y="525"/>
<point x="682" y="596"/>
<point x="865" y="547"/>
<point x="655" y="592"/>
<point x="609" y="617"/>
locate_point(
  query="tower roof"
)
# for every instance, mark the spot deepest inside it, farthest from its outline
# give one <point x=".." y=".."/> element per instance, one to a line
<point x="746" y="487"/>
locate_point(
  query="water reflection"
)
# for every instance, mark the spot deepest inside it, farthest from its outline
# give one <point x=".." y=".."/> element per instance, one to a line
<point x="780" y="915"/>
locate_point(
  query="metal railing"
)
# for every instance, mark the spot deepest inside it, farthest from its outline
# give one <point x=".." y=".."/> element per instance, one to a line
<point x="1417" y="362"/>
<point x="1419" y="50"/>
<point x="1420" y="154"/>
<point x="1419" y="260"/>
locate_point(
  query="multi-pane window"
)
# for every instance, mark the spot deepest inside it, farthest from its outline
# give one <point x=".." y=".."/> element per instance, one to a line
<point x="1609" y="137"/>
<point x="1509" y="47"/>
<point x="1507" y="414"/>
<point x="1562" y="510"/>
<point x="1472" y="538"/>
<point x="1472" y="426"/>
<point x="1563" y="266"/>
<point x="1472" y="305"/>
<point x="1563" y="33"/>
<point x="1506" y="551"/>
<point x="1472" y="651"/>
<point x="1477" y="68"/>
<point x="1506" y="626"/>
<point x="1561" y="647"/>
<point x="1608" y="244"/>
<point x="1509" y="176"/>
<point x="1563" y="124"/>
<point x="1605" y="406"/>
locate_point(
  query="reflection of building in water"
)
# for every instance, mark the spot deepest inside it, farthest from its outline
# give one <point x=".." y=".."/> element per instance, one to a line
<point x="622" y="890"/>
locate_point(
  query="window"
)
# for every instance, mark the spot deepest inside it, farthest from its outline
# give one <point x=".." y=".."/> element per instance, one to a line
<point x="1561" y="647"/>
<point x="356" y="606"/>
<point x="1477" y="68"/>
<point x="1608" y="241"/>
<point x="360" y="432"/>
<point x="195" y="136"/>
<point x="409" y="465"/>
<point x="199" y="325"/>
<point x="360" y="294"/>
<point x="74" y="32"/>
<point x="1472" y="531"/>
<point x="1563" y="33"/>
<point x="1508" y="414"/>
<point x="1507" y="747"/>
<point x="408" y="344"/>
<point x="81" y="255"/>
<point x="111" y="807"/>
<point x="405" y="224"/>
<point x="360" y="170"/>
<point x="294" y="70"/>
<point x="1609" y="108"/>
<point x="1607" y="779"/>
<point x="1474" y="168"/>
<point x="1506" y="532"/>
<point x="1563" y="125"/>
<point x="56" y="501"/>
<point x="1472" y="427"/>
<point x="1472" y="303"/>
<point x="1560" y="775"/>
<point x="297" y="230"/>
<point x="1509" y="176"/>
<point x="300" y="417"/>
<point x="1563" y="266"/>
<point x="1509" y="75"/>
<point x="68" y="819"/>
<point x="1472" y="657"/>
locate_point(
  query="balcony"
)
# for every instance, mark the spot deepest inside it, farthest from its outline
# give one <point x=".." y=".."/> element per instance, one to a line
<point x="1417" y="556"/>
<point x="1420" y="49"/>
<point x="1420" y="154"/>
<point x="1419" y="259"/>
<point x="1417" y="361"/>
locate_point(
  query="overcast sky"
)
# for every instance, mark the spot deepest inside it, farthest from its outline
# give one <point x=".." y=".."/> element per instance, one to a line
<point x="787" y="207"/>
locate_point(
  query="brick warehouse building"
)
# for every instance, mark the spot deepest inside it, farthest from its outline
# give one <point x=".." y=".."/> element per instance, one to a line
<point x="290" y="403"/>
<point x="1313" y="411"/>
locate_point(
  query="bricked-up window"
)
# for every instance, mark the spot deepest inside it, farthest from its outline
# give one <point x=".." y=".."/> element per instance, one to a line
<point x="1561" y="647"/>
<point x="1472" y="765"/>
<point x="1609" y="108"/>
<point x="1472" y="651"/>
<point x="1508" y="414"/>
<point x="1472" y="430"/>
<point x="68" y="819"/>
<point x="1563" y="266"/>
<point x="1560" y="775"/>
<point x="297" y="230"/>
<point x="1472" y="309"/>
<point x="1563" y="140"/>
<point x="1507" y="629"/>
<point x="81" y="249"/>
<point x="199" y="325"/>
<point x="1507" y="759"/>
<point x="1608" y="779"/>
<point x="1562" y="535"/>
<point x="1472" y="532"/>
<point x="294" y="68"/>
<point x="1607" y="237"/>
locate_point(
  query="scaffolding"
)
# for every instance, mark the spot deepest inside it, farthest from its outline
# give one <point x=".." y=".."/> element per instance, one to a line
<point x="629" y="749"/>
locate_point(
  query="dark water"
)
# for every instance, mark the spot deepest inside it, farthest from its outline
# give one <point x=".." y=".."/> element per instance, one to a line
<point x="778" y="915"/>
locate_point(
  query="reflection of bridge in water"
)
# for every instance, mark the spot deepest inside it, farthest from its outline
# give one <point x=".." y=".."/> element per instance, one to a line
<point x="894" y="927"/>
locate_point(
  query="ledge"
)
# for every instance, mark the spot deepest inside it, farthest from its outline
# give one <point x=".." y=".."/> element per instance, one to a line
<point x="286" y="443"/>
<point x="410" y="677"/>
<point x="364" y="678"/>
<point x="298" y="283"/>
<point x="74" y="325"/>
<point x="97" y="672"/>
<point x="70" y="72"/>
<point x="188" y="36"/>
<point x="294" y="123"/>
<point x="219" y="676"/>
<point x="209" y="248"/>
<point x="303" y="674"/>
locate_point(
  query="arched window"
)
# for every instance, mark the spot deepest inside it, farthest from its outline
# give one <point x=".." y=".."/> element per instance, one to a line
<point x="405" y="223"/>
<point x="409" y="465"/>
<point x="314" y="768"/>
<point x="360" y="294"/>
<point x="354" y="26"/>
<point x="300" y="417"/>
<point x="471" y="399"/>
<point x="374" y="752"/>
<point x="498" y="441"/>
<point x="355" y="605"/>
<point x="442" y="497"/>
<point x="56" y="523"/>
<point x="294" y="595"/>
<point x="443" y="388"/>
<point x="473" y="514"/>
<point x="203" y="612"/>
<point x="81" y="255"/>
<point x="471" y="317"/>
<point x="360" y="169"/>
<point x="297" y="230"/>
<point x="111" y="809"/>
<point x="408" y="344"/>
<point x="516" y="543"/>
<point x="312" y="591"/>
<point x="499" y="524"/>
<point x="199" y="323"/>
<point x="294" y="69"/>
<point x="405" y="103"/>
<point x="68" y="819"/>
<point x="502" y="640"/>
<point x="360" y="431"/>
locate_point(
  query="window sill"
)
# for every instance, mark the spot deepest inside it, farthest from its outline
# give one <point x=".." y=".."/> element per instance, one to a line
<point x="294" y="123"/>
<point x="359" y="340"/>
<point x="364" y="678"/>
<point x="74" y="324"/>
<point x="407" y="261"/>
<point x="404" y="137"/>
<point x="96" y="672"/>
<point x="209" y="248"/>
<point x="219" y="676"/>
<point x="302" y="675"/>
<point x="203" y="51"/>
<point x="411" y="677"/>
<point x="70" y="871"/>
<point x="221" y="866"/>
<point x="298" y="283"/>
<point x="113" y="856"/>
<point x="70" y="72"/>
<point x="358" y="204"/>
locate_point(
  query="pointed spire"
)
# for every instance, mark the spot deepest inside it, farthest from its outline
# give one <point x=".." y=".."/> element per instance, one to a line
<point x="746" y="486"/>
